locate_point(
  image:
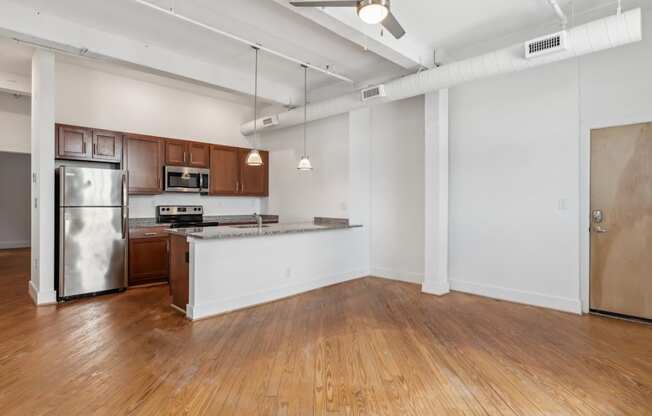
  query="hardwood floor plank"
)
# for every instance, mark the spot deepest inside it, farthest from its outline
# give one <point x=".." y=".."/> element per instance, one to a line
<point x="366" y="347"/>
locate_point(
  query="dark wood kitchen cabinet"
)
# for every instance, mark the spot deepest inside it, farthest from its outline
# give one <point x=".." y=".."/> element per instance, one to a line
<point x="225" y="171"/>
<point x="231" y="176"/>
<point x="179" y="271"/>
<point x="73" y="143"/>
<point x="148" y="257"/>
<point x="107" y="146"/>
<point x="81" y="143"/>
<point x="186" y="153"/>
<point x="254" y="180"/>
<point x="144" y="161"/>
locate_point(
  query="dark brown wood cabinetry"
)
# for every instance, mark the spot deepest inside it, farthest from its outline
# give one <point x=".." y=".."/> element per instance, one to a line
<point x="186" y="153"/>
<point x="179" y="271"/>
<point x="225" y="171"/>
<point x="145" y="164"/>
<point x="149" y="250"/>
<point x="81" y="143"/>
<point x="107" y="146"/>
<point x="146" y="156"/>
<point x="254" y="179"/>
<point x="230" y="174"/>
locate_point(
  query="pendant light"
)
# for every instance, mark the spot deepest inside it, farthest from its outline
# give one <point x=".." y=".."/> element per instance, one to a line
<point x="304" y="163"/>
<point x="253" y="158"/>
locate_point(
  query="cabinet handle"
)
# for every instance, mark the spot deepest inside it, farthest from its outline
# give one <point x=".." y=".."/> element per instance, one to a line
<point x="94" y="149"/>
<point x="237" y="186"/>
<point x="84" y="147"/>
<point x="167" y="246"/>
<point x="151" y="234"/>
<point x="191" y="158"/>
<point x="184" y="157"/>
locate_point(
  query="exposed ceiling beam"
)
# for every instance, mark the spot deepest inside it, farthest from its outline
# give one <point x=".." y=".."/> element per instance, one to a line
<point x="407" y="52"/>
<point x="15" y="84"/>
<point x="64" y="36"/>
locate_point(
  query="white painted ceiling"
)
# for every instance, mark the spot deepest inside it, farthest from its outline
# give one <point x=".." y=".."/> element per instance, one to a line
<point x="448" y="25"/>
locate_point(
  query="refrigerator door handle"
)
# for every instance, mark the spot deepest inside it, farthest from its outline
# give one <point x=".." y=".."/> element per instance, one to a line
<point x="125" y="217"/>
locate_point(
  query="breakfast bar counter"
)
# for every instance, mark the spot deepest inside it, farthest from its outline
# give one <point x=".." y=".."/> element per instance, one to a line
<point x="214" y="270"/>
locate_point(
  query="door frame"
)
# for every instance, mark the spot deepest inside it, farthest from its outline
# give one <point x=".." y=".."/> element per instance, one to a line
<point x="585" y="201"/>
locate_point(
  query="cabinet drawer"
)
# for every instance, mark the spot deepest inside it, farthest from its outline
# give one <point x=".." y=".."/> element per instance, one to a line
<point x="147" y="232"/>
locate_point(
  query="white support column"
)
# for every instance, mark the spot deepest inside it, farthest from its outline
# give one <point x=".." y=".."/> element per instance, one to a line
<point x="41" y="285"/>
<point x="436" y="193"/>
<point x="360" y="175"/>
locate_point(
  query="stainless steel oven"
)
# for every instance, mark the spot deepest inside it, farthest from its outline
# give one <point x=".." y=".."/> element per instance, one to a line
<point x="180" y="179"/>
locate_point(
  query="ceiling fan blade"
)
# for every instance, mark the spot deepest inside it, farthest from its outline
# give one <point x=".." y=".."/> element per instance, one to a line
<point x="390" y="23"/>
<point x="353" y="3"/>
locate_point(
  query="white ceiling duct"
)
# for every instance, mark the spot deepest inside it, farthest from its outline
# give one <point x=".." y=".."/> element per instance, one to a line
<point x="595" y="36"/>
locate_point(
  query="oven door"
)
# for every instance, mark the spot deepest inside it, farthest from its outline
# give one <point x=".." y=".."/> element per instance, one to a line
<point x="180" y="179"/>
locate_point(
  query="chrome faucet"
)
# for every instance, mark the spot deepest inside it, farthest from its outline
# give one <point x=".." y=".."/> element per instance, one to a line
<point x="259" y="219"/>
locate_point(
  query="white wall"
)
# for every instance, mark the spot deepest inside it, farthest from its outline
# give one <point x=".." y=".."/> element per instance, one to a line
<point x="514" y="155"/>
<point x="519" y="169"/>
<point x="89" y="97"/>
<point x="14" y="123"/>
<point x="14" y="205"/>
<point x="397" y="183"/>
<point x="324" y="192"/>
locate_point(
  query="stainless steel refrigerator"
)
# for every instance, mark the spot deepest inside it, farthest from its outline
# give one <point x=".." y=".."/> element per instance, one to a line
<point x="92" y="231"/>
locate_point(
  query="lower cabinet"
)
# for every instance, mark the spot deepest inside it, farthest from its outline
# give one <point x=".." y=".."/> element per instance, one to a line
<point x="149" y="260"/>
<point x="179" y="271"/>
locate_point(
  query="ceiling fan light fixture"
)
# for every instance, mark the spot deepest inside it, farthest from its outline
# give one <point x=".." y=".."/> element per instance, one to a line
<point x="373" y="11"/>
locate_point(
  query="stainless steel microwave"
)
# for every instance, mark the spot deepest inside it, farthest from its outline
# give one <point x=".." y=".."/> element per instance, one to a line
<point x="180" y="179"/>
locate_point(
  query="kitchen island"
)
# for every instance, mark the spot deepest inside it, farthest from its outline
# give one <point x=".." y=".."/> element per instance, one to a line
<point x="214" y="270"/>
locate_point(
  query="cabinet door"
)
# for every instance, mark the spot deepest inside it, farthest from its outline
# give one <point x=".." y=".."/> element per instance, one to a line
<point x="225" y="172"/>
<point x="107" y="146"/>
<point x="148" y="260"/>
<point x="179" y="271"/>
<point x="176" y="153"/>
<point x="198" y="155"/>
<point x="254" y="180"/>
<point x="145" y="165"/>
<point x="73" y="143"/>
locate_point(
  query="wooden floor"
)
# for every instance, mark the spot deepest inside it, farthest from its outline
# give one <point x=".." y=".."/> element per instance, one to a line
<point x="371" y="346"/>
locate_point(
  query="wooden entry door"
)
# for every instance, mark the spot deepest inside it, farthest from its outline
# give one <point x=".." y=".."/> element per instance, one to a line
<point x="621" y="220"/>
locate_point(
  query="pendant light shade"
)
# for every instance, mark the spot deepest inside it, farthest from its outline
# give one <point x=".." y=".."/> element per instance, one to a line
<point x="253" y="158"/>
<point x="304" y="163"/>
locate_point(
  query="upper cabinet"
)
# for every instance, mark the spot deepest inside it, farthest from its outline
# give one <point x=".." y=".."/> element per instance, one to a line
<point x="225" y="171"/>
<point x="73" y="142"/>
<point x="80" y="143"/>
<point x="254" y="180"/>
<point x="231" y="176"/>
<point x="107" y="146"/>
<point x="186" y="153"/>
<point x="145" y="157"/>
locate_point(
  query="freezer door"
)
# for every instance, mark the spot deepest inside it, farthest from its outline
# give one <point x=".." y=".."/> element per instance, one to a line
<point x="92" y="251"/>
<point x="86" y="187"/>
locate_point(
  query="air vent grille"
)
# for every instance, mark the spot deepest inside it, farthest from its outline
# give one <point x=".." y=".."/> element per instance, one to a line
<point x="269" y="121"/>
<point x="373" y="92"/>
<point x="545" y="45"/>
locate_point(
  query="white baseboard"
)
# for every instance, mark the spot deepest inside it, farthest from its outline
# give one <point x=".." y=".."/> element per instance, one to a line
<point x="519" y="296"/>
<point x="202" y="311"/>
<point x="401" y="276"/>
<point x="5" y="245"/>
<point x="436" y="288"/>
<point x="42" y="298"/>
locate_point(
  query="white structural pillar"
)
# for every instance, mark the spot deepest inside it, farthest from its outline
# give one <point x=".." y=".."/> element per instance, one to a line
<point x="436" y="280"/>
<point x="41" y="285"/>
<point x="359" y="205"/>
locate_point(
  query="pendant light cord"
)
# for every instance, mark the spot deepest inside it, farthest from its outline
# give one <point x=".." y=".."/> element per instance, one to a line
<point x="305" y="110"/>
<point x="256" y="100"/>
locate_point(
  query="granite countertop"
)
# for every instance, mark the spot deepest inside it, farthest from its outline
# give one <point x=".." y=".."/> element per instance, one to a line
<point x="222" y="219"/>
<point x="226" y="232"/>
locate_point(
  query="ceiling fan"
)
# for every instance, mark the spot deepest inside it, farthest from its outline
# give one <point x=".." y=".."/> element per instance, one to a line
<point x="370" y="11"/>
